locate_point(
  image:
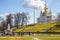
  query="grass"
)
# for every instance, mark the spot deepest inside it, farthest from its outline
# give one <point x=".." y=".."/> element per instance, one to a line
<point x="36" y="28"/>
<point x="38" y="36"/>
<point x="55" y="29"/>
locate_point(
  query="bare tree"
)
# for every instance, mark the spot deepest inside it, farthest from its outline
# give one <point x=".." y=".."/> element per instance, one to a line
<point x="18" y="17"/>
<point x="24" y="18"/>
<point x="9" y="20"/>
<point x="3" y="25"/>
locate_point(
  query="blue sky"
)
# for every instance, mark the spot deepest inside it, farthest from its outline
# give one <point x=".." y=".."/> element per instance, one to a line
<point x="15" y="6"/>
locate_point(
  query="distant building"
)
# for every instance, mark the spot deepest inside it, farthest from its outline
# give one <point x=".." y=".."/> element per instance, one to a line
<point x="58" y="17"/>
<point x="54" y="18"/>
<point x="38" y="20"/>
<point x="45" y="16"/>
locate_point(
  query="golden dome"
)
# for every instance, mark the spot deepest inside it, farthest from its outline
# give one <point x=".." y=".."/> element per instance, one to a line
<point x="45" y="8"/>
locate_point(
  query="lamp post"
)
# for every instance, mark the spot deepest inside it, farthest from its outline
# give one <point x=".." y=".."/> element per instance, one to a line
<point x="34" y="14"/>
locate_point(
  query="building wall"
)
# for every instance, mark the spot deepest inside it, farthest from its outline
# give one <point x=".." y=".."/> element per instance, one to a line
<point x="38" y="20"/>
<point x="58" y="18"/>
<point x="44" y="17"/>
<point x="49" y="18"/>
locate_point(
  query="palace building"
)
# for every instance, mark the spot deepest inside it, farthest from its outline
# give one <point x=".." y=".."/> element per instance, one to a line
<point x="45" y="16"/>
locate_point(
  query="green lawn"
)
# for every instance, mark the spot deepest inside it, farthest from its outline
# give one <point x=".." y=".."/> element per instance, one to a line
<point x="36" y="28"/>
<point x="36" y="37"/>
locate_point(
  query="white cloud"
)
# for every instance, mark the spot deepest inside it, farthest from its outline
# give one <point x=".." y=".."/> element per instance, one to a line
<point x="3" y="15"/>
<point x="31" y="21"/>
<point x="6" y="14"/>
<point x="37" y="4"/>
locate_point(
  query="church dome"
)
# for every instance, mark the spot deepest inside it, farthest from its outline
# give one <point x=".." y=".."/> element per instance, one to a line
<point x="45" y="8"/>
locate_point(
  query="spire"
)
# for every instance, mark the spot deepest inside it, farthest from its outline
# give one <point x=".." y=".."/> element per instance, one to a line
<point x="50" y="11"/>
<point x="45" y="8"/>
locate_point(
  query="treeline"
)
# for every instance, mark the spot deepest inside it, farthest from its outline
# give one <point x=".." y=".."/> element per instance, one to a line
<point x="14" y="20"/>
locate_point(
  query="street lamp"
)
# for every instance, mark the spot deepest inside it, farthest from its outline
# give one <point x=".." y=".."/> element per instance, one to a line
<point x="34" y="14"/>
